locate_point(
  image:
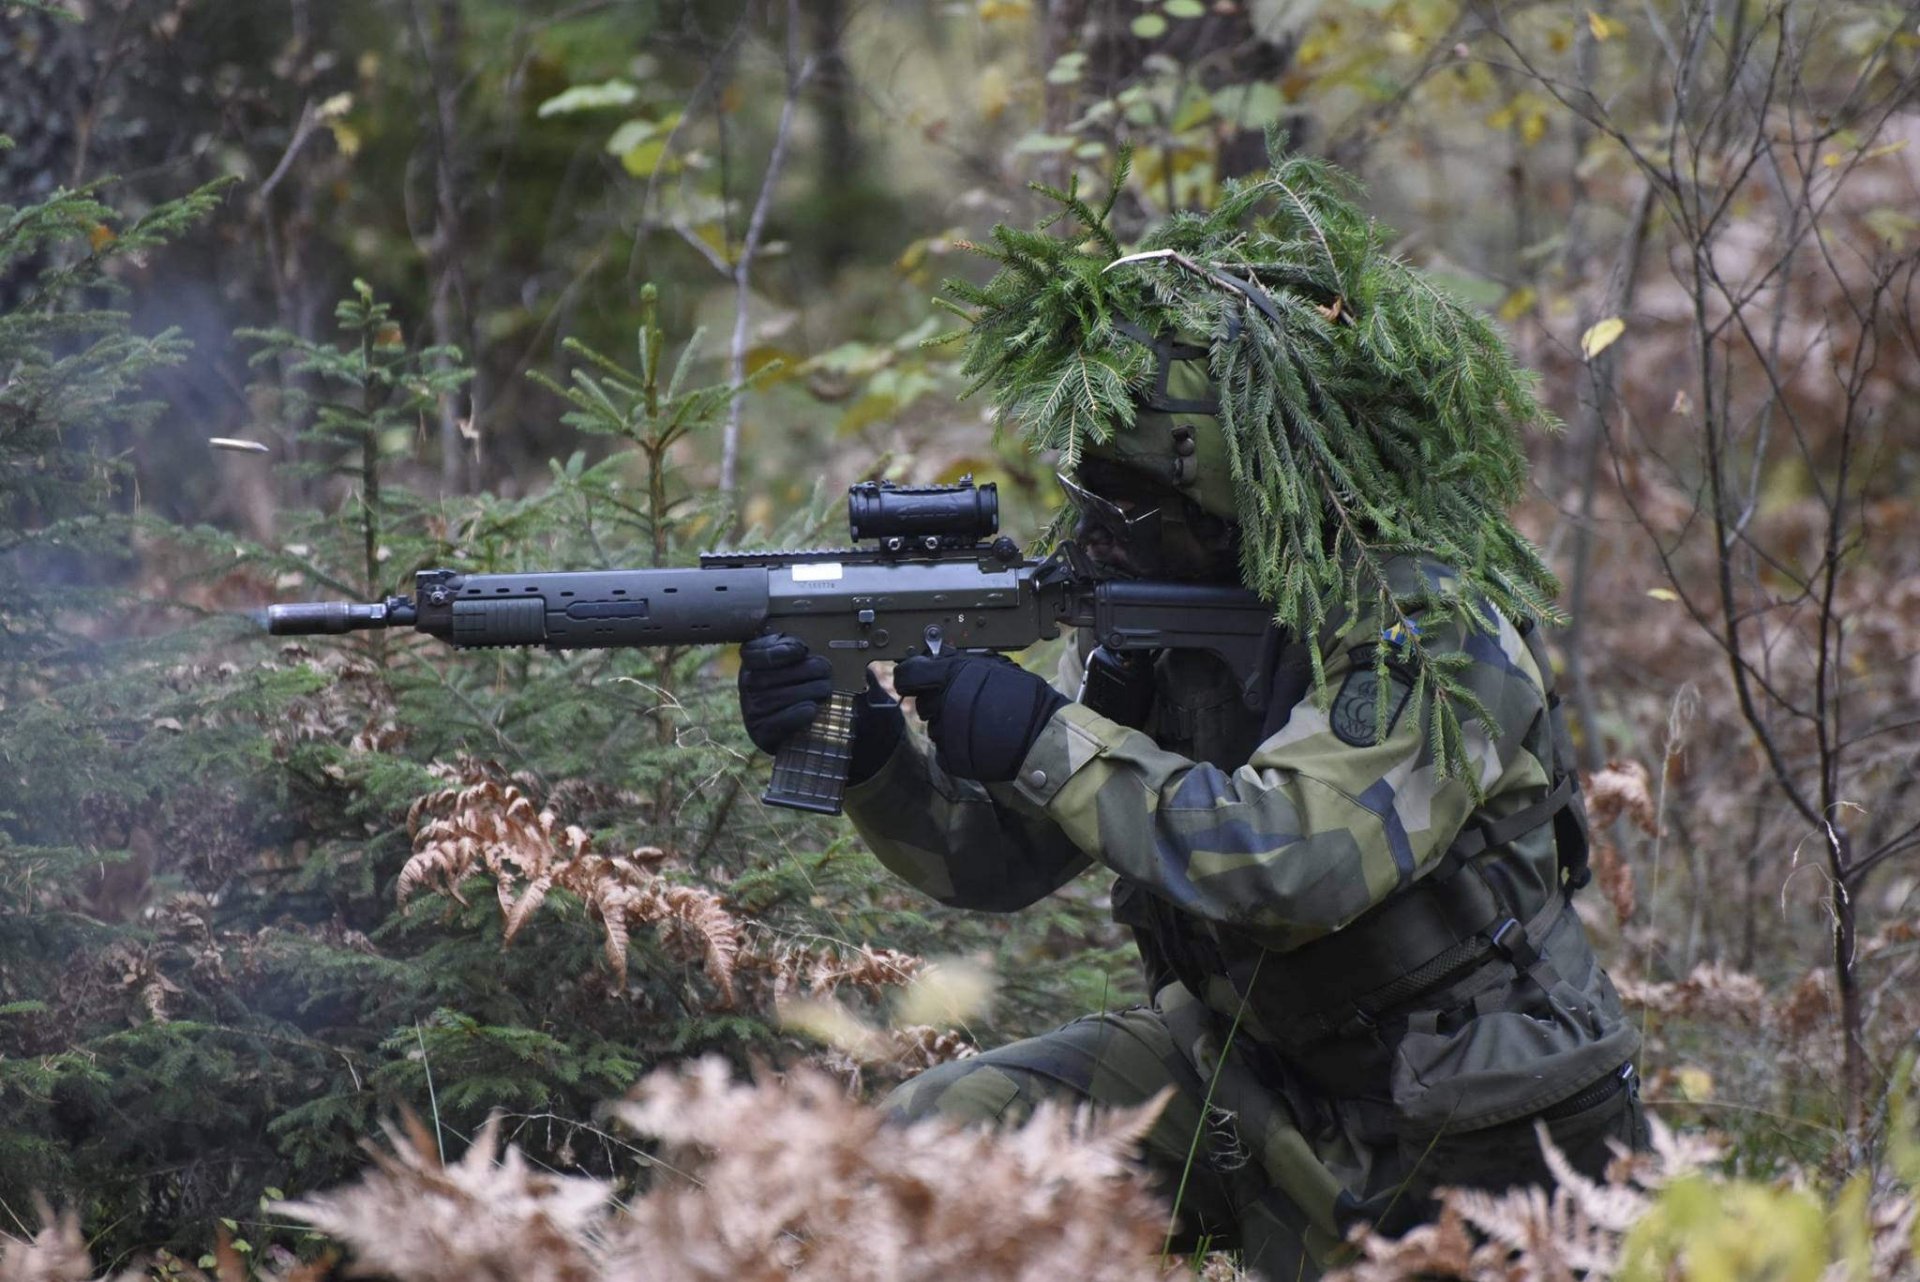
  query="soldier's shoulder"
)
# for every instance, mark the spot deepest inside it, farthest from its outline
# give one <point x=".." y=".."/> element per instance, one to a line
<point x="1424" y="590"/>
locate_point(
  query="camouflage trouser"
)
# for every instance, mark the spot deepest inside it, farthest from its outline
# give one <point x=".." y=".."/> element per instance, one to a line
<point x="1204" y="1164"/>
<point x="1199" y="1163"/>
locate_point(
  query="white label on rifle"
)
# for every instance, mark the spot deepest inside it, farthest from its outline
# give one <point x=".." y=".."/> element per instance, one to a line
<point x="818" y="572"/>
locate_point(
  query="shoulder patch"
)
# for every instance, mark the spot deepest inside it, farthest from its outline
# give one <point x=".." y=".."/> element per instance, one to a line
<point x="1356" y="706"/>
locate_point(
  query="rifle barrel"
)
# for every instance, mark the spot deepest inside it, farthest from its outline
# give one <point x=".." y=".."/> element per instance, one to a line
<point x="309" y="618"/>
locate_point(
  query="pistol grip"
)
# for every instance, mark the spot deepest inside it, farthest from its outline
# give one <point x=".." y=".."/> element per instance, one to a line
<point x="810" y="770"/>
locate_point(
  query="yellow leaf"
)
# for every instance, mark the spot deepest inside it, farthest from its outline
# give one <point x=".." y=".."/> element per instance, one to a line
<point x="99" y="236"/>
<point x="642" y="160"/>
<point x="345" y="137"/>
<point x="769" y="362"/>
<point x="1602" y="336"/>
<point x="830" y="1022"/>
<point x="1004" y="10"/>
<point x="1663" y="594"/>
<point x="1533" y="127"/>
<point x="995" y="93"/>
<point x="1693" y="1084"/>
<point x="714" y="237"/>
<point x="1519" y="303"/>
<point x="952" y="993"/>
<point x="1604" y="28"/>
<point x="1835" y="159"/>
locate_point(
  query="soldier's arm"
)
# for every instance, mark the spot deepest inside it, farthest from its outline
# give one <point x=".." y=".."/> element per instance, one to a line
<point x="1318" y="826"/>
<point x="968" y="844"/>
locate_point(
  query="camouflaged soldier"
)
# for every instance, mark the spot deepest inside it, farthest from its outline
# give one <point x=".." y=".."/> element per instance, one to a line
<point x="1367" y="978"/>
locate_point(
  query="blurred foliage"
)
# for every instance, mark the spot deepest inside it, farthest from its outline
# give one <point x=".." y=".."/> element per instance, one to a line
<point x="207" y="985"/>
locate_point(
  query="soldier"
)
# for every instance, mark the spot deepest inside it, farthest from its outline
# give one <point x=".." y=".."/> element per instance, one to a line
<point x="1367" y="978"/>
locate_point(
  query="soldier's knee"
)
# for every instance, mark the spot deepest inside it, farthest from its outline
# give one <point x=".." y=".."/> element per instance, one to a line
<point x="963" y="1091"/>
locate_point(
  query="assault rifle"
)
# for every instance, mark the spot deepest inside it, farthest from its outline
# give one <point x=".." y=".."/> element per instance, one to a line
<point x="932" y="577"/>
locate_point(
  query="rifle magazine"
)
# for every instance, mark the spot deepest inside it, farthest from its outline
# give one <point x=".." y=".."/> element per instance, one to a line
<point x="810" y="770"/>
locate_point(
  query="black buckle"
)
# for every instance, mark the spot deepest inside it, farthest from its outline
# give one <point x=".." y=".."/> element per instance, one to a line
<point x="1509" y="939"/>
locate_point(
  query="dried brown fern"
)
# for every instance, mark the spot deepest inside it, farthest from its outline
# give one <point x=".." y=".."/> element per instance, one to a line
<point x="484" y="824"/>
<point x="788" y="1181"/>
<point x="694" y="922"/>
<point x="482" y="1217"/>
<point x="918" y="1047"/>
<point x="1712" y="992"/>
<point x="57" y="1253"/>
<point x="355" y="707"/>
<point x="797" y="1182"/>
<point x="1574" y="1233"/>
<point x="783" y="967"/>
<point x="1621" y="789"/>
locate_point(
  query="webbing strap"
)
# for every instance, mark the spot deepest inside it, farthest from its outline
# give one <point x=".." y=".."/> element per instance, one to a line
<point x="1571" y="837"/>
<point x="1166" y="351"/>
<point x="1436" y="931"/>
<point x="1488" y="833"/>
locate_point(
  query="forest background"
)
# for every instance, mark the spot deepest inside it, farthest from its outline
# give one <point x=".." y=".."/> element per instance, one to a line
<point x="568" y="285"/>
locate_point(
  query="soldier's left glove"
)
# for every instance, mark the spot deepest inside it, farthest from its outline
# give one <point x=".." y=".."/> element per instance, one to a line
<point x="983" y="712"/>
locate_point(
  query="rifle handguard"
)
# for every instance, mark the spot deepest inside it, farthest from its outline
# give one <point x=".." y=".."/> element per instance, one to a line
<point x="810" y="770"/>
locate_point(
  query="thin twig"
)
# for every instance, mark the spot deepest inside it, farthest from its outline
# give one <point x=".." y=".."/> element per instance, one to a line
<point x="433" y="1101"/>
<point x="798" y="73"/>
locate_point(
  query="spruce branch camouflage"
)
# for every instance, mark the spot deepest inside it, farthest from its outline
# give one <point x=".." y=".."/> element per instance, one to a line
<point x="1334" y="401"/>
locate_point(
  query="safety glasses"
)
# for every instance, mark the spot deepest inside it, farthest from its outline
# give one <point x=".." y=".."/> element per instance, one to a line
<point x="1106" y="539"/>
<point x="1118" y="521"/>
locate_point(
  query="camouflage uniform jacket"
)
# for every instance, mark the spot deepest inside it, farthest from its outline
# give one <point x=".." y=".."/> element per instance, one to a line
<point x="1267" y="863"/>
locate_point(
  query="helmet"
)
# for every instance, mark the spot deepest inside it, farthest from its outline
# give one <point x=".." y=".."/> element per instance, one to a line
<point x="1176" y="438"/>
<point x="1157" y="497"/>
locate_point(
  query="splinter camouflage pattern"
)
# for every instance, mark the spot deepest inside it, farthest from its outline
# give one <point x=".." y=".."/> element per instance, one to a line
<point x="1238" y="838"/>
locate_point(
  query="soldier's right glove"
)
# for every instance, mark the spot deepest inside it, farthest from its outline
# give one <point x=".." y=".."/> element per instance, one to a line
<point x="783" y="686"/>
<point x="983" y="712"/>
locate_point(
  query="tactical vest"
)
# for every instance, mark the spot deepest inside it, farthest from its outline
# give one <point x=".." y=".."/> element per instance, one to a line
<point x="1331" y="1013"/>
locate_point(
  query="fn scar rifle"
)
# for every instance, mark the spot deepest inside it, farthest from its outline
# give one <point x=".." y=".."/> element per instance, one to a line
<point x="932" y="577"/>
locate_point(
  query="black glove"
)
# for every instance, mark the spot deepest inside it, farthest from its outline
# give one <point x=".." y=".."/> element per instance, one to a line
<point x="983" y="712"/>
<point x="782" y="687"/>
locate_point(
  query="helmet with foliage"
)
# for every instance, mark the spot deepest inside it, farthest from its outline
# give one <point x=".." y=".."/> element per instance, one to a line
<point x="1276" y="365"/>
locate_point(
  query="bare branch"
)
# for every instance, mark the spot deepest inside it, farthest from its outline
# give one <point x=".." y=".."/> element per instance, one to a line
<point x="798" y="73"/>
